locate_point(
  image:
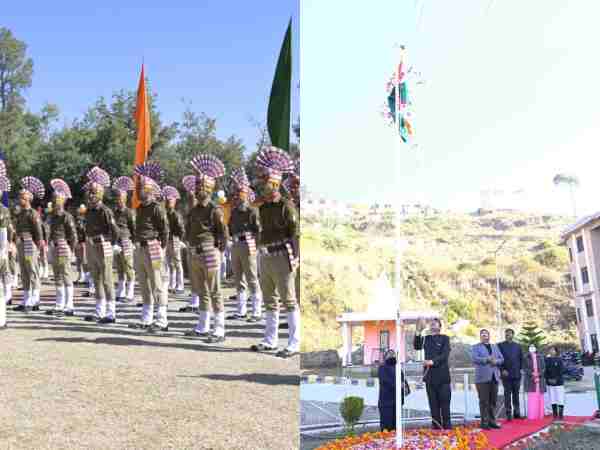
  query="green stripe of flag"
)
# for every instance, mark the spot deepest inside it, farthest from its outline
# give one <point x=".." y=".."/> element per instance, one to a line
<point x="278" y="115"/>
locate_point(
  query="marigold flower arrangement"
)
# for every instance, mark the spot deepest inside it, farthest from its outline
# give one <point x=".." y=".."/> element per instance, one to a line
<point x="461" y="438"/>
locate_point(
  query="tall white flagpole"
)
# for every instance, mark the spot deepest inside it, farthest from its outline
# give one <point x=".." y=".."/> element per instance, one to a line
<point x="401" y="66"/>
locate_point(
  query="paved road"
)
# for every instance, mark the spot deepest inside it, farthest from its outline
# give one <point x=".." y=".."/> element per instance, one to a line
<point x="67" y="384"/>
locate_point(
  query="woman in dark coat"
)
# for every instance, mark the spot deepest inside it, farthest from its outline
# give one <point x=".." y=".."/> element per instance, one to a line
<point x="387" y="392"/>
<point x="555" y="382"/>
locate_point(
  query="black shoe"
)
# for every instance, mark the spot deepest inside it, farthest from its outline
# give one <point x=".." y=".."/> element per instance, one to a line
<point x="91" y="319"/>
<point x="70" y="313"/>
<point x="35" y="308"/>
<point x="285" y="353"/>
<point x="262" y="348"/>
<point x="138" y="326"/>
<point x="195" y="334"/>
<point x="120" y="299"/>
<point x="157" y="328"/>
<point x="561" y="415"/>
<point x="494" y="426"/>
<point x="283" y="326"/>
<point x="215" y="339"/>
<point x="554" y="411"/>
<point x="8" y="303"/>
<point x="139" y="304"/>
<point x="86" y="294"/>
<point x="188" y="309"/>
<point x="235" y="317"/>
<point x="484" y="426"/>
<point x="50" y="312"/>
<point x="19" y="308"/>
<point x="106" y="320"/>
<point x="518" y="417"/>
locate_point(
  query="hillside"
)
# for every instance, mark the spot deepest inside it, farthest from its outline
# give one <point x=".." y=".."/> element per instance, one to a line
<point x="449" y="265"/>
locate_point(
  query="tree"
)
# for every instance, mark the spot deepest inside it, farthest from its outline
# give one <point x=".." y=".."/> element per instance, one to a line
<point x="16" y="70"/>
<point x="351" y="410"/>
<point x="572" y="182"/>
<point x="531" y="335"/>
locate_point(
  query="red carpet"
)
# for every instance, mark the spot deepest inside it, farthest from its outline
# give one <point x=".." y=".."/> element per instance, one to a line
<point x="519" y="429"/>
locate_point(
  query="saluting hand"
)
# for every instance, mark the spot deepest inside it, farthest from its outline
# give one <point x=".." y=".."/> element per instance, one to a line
<point x="428" y="363"/>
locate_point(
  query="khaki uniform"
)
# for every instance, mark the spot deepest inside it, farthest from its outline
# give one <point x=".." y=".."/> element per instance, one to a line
<point x="206" y="236"/>
<point x="151" y="236"/>
<point x="101" y="232"/>
<point x="62" y="228"/>
<point x="176" y="232"/>
<point x="125" y="220"/>
<point x="80" y="257"/>
<point x="62" y="241"/>
<point x="243" y="228"/>
<point x="29" y="231"/>
<point x="5" y="275"/>
<point x="279" y="226"/>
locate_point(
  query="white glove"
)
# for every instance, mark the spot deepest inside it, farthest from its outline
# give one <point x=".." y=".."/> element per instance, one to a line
<point x="182" y="245"/>
<point x="117" y="249"/>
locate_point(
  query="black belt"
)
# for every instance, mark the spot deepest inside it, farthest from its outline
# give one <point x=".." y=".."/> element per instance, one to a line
<point x="143" y="244"/>
<point x="276" y="248"/>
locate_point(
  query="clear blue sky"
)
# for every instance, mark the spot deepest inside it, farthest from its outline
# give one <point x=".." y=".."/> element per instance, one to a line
<point x="220" y="55"/>
<point x="510" y="99"/>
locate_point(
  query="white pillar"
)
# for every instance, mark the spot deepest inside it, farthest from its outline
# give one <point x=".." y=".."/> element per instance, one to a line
<point x="579" y="284"/>
<point x="349" y="355"/>
<point x="591" y="265"/>
<point x="345" y="344"/>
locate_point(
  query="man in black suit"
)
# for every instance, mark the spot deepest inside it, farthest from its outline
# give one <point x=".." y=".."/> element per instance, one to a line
<point x="436" y="372"/>
<point x="511" y="374"/>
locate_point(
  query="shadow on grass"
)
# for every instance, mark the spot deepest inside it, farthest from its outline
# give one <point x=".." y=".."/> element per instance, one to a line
<point x="260" y="378"/>
<point x="127" y="342"/>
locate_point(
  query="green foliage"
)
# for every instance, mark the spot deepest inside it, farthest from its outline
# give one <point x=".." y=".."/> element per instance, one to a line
<point x="333" y="241"/>
<point x="531" y="335"/>
<point x="351" y="410"/>
<point x="553" y="256"/>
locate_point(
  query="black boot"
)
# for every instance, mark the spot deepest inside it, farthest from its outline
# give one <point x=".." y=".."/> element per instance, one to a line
<point x="554" y="410"/>
<point x="560" y="412"/>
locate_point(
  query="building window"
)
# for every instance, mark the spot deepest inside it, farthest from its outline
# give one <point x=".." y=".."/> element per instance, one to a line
<point x="594" y="340"/>
<point x="589" y="308"/>
<point x="384" y="340"/>
<point x="579" y="244"/>
<point x="585" y="277"/>
<point x="570" y="255"/>
<point x="578" y="310"/>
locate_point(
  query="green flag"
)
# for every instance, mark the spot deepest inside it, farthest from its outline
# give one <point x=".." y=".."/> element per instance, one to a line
<point x="278" y="115"/>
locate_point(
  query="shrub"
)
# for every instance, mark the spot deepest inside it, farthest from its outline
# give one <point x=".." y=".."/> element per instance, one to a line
<point x="351" y="410"/>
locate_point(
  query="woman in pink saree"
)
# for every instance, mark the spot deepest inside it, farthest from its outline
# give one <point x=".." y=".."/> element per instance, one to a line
<point x="535" y="383"/>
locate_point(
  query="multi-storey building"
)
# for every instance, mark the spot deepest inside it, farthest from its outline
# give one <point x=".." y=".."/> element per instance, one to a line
<point x="583" y="242"/>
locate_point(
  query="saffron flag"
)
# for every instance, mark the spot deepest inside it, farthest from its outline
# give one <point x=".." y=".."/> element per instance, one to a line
<point x="142" y="119"/>
<point x="278" y="115"/>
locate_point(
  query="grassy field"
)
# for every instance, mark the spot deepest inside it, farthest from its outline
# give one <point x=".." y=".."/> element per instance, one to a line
<point x="67" y="384"/>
